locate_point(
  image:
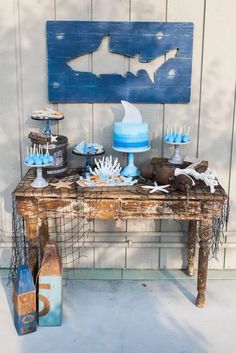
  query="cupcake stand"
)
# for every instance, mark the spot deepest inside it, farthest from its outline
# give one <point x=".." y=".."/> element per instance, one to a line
<point x="35" y="158"/>
<point x="39" y="181"/>
<point x="177" y="137"/>
<point x="176" y="158"/>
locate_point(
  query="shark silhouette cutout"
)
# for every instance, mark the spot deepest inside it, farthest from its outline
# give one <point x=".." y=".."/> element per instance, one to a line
<point x="139" y="62"/>
<point x="151" y="67"/>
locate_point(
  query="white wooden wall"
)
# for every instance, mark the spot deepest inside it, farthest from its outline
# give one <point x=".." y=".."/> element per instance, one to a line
<point x="211" y="113"/>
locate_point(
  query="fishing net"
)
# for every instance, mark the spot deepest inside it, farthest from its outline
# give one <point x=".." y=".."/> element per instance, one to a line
<point x="67" y="226"/>
<point x="218" y="207"/>
<point x="69" y="223"/>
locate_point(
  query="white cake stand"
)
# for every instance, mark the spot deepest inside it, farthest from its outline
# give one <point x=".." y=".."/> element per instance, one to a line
<point x="131" y="170"/>
<point x="176" y="157"/>
<point x="39" y="181"/>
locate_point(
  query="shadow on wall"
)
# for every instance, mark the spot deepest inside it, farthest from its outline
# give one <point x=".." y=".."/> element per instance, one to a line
<point x="11" y="115"/>
<point x="216" y="139"/>
<point x="216" y="123"/>
<point x="9" y="127"/>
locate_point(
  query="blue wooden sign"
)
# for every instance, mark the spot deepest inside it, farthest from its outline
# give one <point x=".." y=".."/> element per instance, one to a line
<point x="24" y="299"/>
<point x="142" y="42"/>
<point x="50" y="287"/>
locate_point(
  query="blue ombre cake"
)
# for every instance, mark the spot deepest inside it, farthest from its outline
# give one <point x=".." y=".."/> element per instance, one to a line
<point x="131" y="137"/>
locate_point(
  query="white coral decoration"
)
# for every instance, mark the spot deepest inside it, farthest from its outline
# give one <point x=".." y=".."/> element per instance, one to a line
<point x="209" y="177"/>
<point x="106" y="168"/>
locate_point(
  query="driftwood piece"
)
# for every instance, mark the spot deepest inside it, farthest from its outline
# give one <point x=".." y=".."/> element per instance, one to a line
<point x="38" y="138"/>
<point x="161" y="171"/>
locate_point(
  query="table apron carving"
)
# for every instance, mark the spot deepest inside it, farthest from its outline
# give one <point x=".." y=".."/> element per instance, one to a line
<point x="117" y="209"/>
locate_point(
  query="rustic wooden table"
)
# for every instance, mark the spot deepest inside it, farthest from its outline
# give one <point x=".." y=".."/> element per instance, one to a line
<point x="36" y="206"/>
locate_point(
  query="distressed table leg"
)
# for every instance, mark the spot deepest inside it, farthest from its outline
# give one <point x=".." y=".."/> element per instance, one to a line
<point x="32" y="235"/>
<point x="192" y="238"/>
<point x="37" y="234"/>
<point x="205" y="235"/>
<point x="43" y="235"/>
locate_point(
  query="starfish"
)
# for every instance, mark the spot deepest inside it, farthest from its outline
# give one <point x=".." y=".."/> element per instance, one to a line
<point x="156" y="187"/>
<point x="62" y="184"/>
<point x="53" y="138"/>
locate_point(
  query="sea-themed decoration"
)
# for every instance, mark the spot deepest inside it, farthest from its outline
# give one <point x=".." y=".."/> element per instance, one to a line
<point x="47" y="115"/>
<point x="146" y="171"/>
<point x="89" y="150"/>
<point x="209" y="176"/>
<point x="131" y="136"/>
<point x="180" y="178"/>
<point x="38" y="139"/>
<point x="62" y="185"/>
<point x="183" y="182"/>
<point x="156" y="188"/>
<point x="58" y="151"/>
<point x="144" y="43"/>
<point x="53" y="138"/>
<point x="50" y="287"/>
<point x="106" y="173"/>
<point x="24" y="299"/>
<point x="158" y="171"/>
<point x="106" y="168"/>
<point x="132" y="114"/>
<point x="162" y="172"/>
<point x="176" y="137"/>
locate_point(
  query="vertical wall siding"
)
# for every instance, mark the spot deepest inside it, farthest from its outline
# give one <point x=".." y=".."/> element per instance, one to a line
<point x="211" y="114"/>
<point x="9" y="127"/>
